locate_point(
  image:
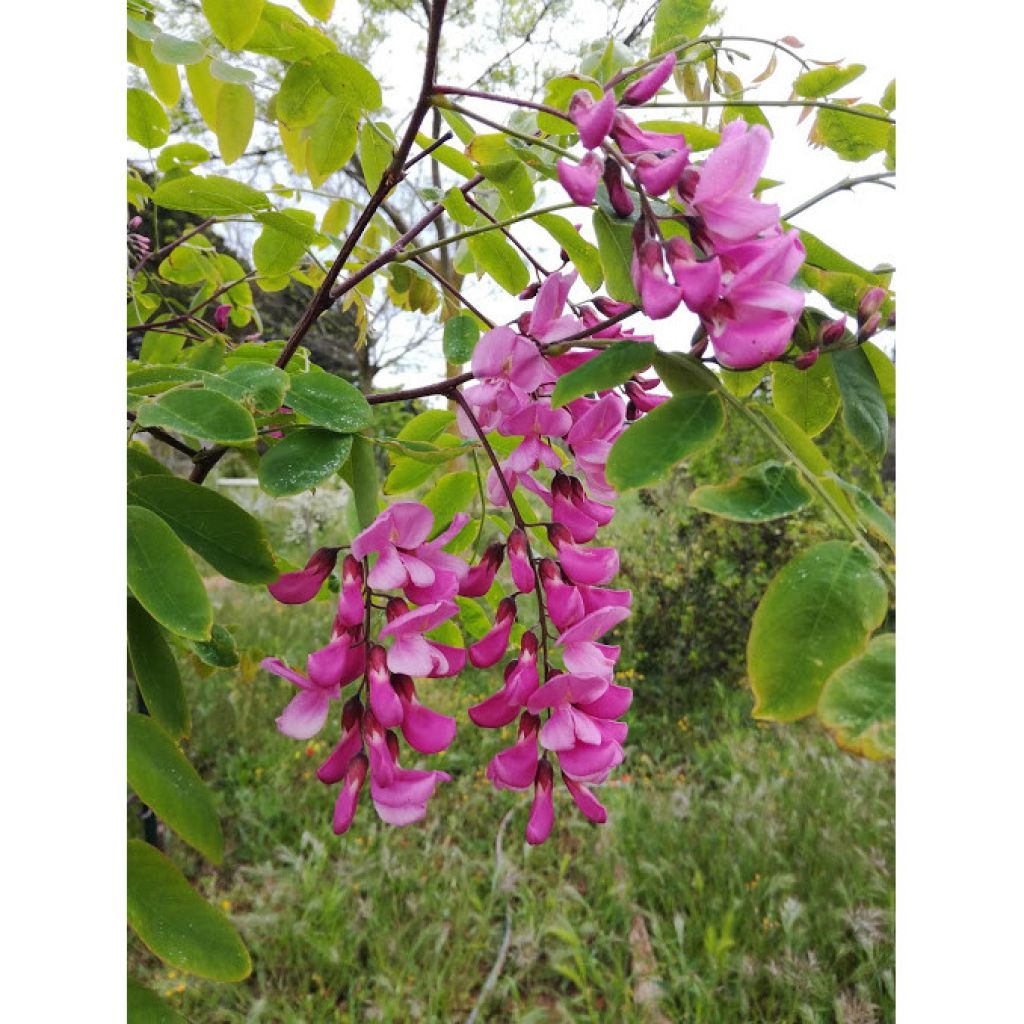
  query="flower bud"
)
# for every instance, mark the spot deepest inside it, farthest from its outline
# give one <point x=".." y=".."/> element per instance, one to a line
<point x="807" y="359"/>
<point x="135" y="223"/>
<point x="831" y="331"/>
<point x="530" y="291"/>
<point x="869" y="327"/>
<point x="870" y="302"/>
<point x="220" y="316"/>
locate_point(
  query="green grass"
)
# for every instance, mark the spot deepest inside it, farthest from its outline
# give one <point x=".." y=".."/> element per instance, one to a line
<point x="759" y="861"/>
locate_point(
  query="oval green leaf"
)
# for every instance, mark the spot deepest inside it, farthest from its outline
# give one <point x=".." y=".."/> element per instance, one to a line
<point x="817" y="613"/>
<point x="141" y="463"/>
<point x="162" y="777"/>
<point x="199" y="412"/>
<point x="233" y="21"/>
<point x="363" y="479"/>
<point x="213" y="526"/>
<point x="302" y="460"/>
<point x="176" y="923"/>
<point x="330" y="402"/>
<point x="650" y="447"/>
<point x="148" y="124"/>
<point x="301" y="95"/>
<point x="615" y="247"/>
<point x="461" y="333"/>
<point x="220" y="651"/>
<point x="858" y="703"/>
<point x="236" y="115"/>
<point x="212" y="196"/>
<point x="258" y="383"/>
<point x="498" y="259"/>
<point x="823" y="81"/>
<point x="332" y="139"/>
<point x="607" y="369"/>
<point x="162" y="577"/>
<point x="585" y="257"/>
<point x="864" y="414"/>
<point x="810" y="398"/>
<point x="768" y="491"/>
<point x="453" y="493"/>
<point x="172" y="50"/>
<point x="851" y="136"/>
<point x="156" y="672"/>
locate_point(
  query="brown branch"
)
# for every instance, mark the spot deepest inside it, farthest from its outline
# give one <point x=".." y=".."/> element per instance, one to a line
<point x="508" y="234"/>
<point x="168" y="439"/>
<point x="451" y="289"/>
<point x="443" y="387"/>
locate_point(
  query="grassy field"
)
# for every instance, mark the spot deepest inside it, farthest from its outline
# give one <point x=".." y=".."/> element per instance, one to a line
<point x="745" y="874"/>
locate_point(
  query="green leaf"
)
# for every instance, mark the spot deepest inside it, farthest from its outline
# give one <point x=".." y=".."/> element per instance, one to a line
<point x="458" y="209"/>
<point x="849" y="136"/>
<point x="375" y="153"/>
<point x="163" y="78"/>
<point x="650" y="447"/>
<point x="278" y="251"/>
<point x="858" y="702"/>
<point x="513" y="183"/>
<point x="585" y="257"/>
<point x="148" y="124"/>
<point x="143" y="29"/>
<point x="888" y="100"/>
<point x="810" y="398"/>
<point x="200" y="413"/>
<point x="332" y="139"/>
<point x="172" y="50"/>
<point x="257" y="383"/>
<point x="448" y="157"/>
<point x="213" y="526"/>
<point x="497" y="258"/>
<point x="183" y="155"/>
<point x="767" y="491"/>
<point x="319" y="9"/>
<point x="176" y="923"/>
<point x="146" y="1007"/>
<point x="328" y="401"/>
<point x="212" y="196"/>
<point x="302" y="460"/>
<point x="427" y="425"/>
<point x="885" y="373"/>
<point x="363" y="480"/>
<point x="162" y="577"/>
<point x="233" y="21"/>
<point x="207" y="355"/>
<point x="843" y="290"/>
<point x="282" y="34"/>
<point x="680" y="372"/>
<point x="821" y="255"/>
<point x="678" y="21"/>
<point x="876" y="519"/>
<point x="205" y="89"/>
<point x="347" y="79"/>
<point x="453" y="493"/>
<point x="301" y="96"/>
<point x="162" y="777"/>
<point x="615" y="246"/>
<point x="156" y="671"/>
<point x="607" y="369"/>
<point x="225" y="72"/>
<point x="160" y="348"/>
<point x="151" y="380"/>
<point x="141" y="463"/>
<point x="817" y="613"/>
<point x="742" y="382"/>
<point x="461" y="333"/>
<point x="822" y="81"/>
<point x="236" y="115"/>
<point x="864" y="412"/>
<point x="220" y="651"/>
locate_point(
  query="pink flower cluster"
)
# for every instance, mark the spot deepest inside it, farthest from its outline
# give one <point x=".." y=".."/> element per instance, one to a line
<point x="735" y="270"/>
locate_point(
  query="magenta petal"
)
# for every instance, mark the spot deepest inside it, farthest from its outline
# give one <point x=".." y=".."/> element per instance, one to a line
<point x="494" y="712"/>
<point x="612" y="703"/>
<point x="594" y="120"/>
<point x="558" y="732"/>
<point x="333" y="769"/>
<point x="278" y="668"/>
<point x="388" y="571"/>
<point x="384" y="701"/>
<point x="490" y="648"/>
<point x="348" y="798"/>
<point x="302" y="586"/>
<point x="404" y="800"/>
<point x="659" y="174"/>
<point x="305" y="715"/>
<point x="542" y="811"/>
<point x="595" y="625"/>
<point x="426" y="730"/>
<point x="587" y="763"/>
<point x="580" y="180"/>
<point x="449" y="661"/>
<point x="591" y="807"/>
<point x="411" y="656"/>
<point x="328" y="666"/>
<point x="519" y="562"/>
<point x="646" y="87"/>
<point x="420" y="620"/>
<point x="590" y="566"/>
<point x="516" y="766"/>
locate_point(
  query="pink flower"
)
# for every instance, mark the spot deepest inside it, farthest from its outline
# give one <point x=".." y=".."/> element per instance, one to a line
<point x="501" y="353"/>
<point x="658" y="174"/>
<point x="647" y="86"/>
<point x="411" y="653"/>
<point x="658" y="296"/>
<point x="350" y="604"/>
<point x="542" y="811"/>
<point x="516" y="766"/>
<point x="307" y="711"/>
<point x="699" y="282"/>
<point x="491" y="647"/>
<point x="545" y="321"/>
<point x="591" y="807"/>
<point x="424" y="730"/>
<point x="580" y="180"/>
<point x="621" y="200"/>
<point x="348" y="799"/>
<point x="723" y="194"/>
<point x="333" y="769"/>
<point x="633" y="140"/>
<point x="302" y="586"/>
<point x="591" y="566"/>
<point x="592" y="119"/>
<point x="480" y="577"/>
<point x="564" y="602"/>
<point x="220" y="317"/>
<point x="383" y="699"/>
<point x="519" y="562"/>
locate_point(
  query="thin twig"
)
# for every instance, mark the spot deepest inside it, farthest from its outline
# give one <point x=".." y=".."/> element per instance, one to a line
<point x="168" y="439"/>
<point x="771" y="103"/>
<point x="436" y="144"/>
<point x="171" y="246"/>
<point x="451" y="289"/>
<point x="847" y="184"/>
<point x="443" y="387"/>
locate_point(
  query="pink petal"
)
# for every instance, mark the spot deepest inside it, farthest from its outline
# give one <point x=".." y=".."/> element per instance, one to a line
<point x="580" y="180"/>
<point x="494" y="712"/>
<point x="586" y="801"/>
<point x="278" y="668"/>
<point x="644" y="88"/>
<point x="305" y="715"/>
<point x="594" y="120"/>
<point x="302" y="586"/>
<point x="591" y="566"/>
<point x="348" y="798"/>
<point x="612" y="703"/>
<point x="542" y="811"/>
<point x="388" y="571"/>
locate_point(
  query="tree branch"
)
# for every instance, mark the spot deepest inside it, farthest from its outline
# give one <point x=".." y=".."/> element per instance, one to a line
<point x="847" y="184"/>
